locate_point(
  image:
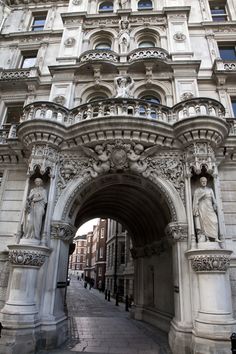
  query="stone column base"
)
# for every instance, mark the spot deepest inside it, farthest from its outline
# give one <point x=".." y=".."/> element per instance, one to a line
<point x="203" y="346"/>
<point x="180" y="339"/>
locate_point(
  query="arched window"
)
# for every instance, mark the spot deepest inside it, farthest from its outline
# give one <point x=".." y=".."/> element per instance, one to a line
<point x="146" y="44"/>
<point x="104" y="45"/>
<point x="145" y="5"/>
<point x="106" y="6"/>
<point x="151" y="99"/>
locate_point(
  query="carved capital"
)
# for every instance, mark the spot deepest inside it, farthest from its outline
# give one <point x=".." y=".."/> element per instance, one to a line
<point x="23" y="255"/>
<point x="214" y="262"/>
<point x="200" y="155"/>
<point x="43" y="156"/>
<point x="176" y="232"/>
<point x="62" y="231"/>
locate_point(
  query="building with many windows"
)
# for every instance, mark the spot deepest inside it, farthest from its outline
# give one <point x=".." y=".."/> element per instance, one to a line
<point x="77" y="259"/>
<point x="121" y="109"/>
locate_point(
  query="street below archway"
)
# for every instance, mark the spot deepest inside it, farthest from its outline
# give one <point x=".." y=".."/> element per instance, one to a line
<point x="98" y="326"/>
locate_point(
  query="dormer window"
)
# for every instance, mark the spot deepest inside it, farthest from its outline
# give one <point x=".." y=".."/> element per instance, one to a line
<point x="145" y="5"/>
<point x="106" y="6"/>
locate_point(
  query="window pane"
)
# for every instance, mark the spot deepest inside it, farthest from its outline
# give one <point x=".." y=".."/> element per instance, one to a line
<point x="103" y="46"/>
<point x="38" y="23"/>
<point x="28" y="62"/>
<point x="218" y="12"/>
<point x="145" y="4"/>
<point x="13" y="114"/>
<point x="227" y="53"/>
<point x="106" y="6"/>
<point x="233" y="101"/>
<point x="146" y="44"/>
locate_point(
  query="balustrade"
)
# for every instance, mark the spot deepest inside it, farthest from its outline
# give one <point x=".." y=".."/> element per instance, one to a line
<point x="18" y="74"/>
<point x="118" y="107"/>
<point x="148" y="53"/>
<point x="99" y="54"/>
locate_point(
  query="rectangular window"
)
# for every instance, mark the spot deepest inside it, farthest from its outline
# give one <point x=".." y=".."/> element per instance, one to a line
<point x="101" y="252"/>
<point x="29" y="60"/>
<point x="38" y="22"/>
<point x="100" y="271"/>
<point x="13" y="114"/>
<point x="233" y="102"/>
<point x="218" y="11"/>
<point x="102" y="232"/>
<point x="227" y="52"/>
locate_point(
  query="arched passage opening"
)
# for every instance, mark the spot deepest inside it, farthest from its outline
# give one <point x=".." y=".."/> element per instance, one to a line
<point x="145" y="207"/>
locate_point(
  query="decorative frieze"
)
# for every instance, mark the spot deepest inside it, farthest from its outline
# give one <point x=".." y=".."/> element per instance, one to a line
<point x="204" y="263"/>
<point x="27" y="257"/>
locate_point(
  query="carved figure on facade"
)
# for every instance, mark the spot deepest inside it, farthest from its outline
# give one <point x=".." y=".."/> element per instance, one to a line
<point x="35" y="210"/>
<point x="124" y="4"/>
<point x="204" y="212"/>
<point x="124" y="36"/>
<point x="123" y="86"/>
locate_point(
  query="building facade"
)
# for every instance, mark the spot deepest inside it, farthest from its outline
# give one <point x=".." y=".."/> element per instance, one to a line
<point x="119" y="261"/>
<point x="117" y="109"/>
<point x="77" y="259"/>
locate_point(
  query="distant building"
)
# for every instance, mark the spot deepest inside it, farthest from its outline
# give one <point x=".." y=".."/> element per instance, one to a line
<point x="120" y="268"/>
<point x="77" y="259"/>
<point x="95" y="266"/>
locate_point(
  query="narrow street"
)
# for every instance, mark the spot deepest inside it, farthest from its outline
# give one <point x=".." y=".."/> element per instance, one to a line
<point x="98" y="326"/>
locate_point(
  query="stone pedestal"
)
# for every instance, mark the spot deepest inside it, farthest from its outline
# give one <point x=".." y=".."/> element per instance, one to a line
<point x="214" y="322"/>
<point x="19" y="316"/>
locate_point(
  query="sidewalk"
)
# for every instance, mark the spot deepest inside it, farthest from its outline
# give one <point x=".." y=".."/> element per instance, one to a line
<point x="98" y="326"/>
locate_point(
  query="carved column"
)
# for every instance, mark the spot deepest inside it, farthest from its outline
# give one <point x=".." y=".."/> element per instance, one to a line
<point x="19" y="316"/>
<point x="181" y="325"/>
<point x="214" y="319"/>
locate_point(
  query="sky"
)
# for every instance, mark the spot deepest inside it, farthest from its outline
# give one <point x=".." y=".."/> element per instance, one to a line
<point x="88" y="226"/>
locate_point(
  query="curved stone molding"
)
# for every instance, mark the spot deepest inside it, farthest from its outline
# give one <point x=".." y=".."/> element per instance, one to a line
<point x="25" y="255"/>
<point x="62" y="231"/>
<point x="177" y="232"/>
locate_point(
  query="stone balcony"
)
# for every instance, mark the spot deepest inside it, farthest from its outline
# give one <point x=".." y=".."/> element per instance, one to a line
<point x="7" y="132"/>
<point x="99" y="55"/>
<point x="148" y="53"/>
<point x="116" y="118"/>
<point x="225" y="66"/>
<point x="119" y="107"/>
<point x="18" y="74"/>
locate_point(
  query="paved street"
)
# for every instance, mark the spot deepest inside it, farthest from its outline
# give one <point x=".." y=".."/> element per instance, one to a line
<point x="98" y="326"/>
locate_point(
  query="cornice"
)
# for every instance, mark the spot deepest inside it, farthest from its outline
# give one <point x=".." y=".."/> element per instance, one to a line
<point x="27" y="34"/>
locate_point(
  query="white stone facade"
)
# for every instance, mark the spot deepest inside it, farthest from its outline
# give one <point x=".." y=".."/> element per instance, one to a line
<point x="126" y="105"/>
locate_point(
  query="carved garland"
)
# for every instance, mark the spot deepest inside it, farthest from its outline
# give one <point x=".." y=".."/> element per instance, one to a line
<point x="205" y="263"/>
<point x="29" y="258"/>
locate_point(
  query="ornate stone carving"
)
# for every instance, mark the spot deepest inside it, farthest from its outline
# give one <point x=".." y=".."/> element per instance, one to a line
<point x="200" y="155"/>
<point x="76" y="2"/>
<point x="156" y="248"/>
<point x="27" y="257"/>
<point x="186" y="96"/>
<point x="204" y="263"/>
<point x="69" y="42"/>
<point x="59" y="99"/>
<point x="124" y="36"/>
<point x="43" y="156"/>
<point x="62" y="231"/>
<point x="176" y="232"/>
<point x="148" y="53"/>
<point x="179" y="37"/>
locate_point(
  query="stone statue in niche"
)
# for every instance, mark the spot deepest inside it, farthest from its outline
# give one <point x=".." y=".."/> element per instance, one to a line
<point x="204" y="212"/>
<point x="124" y="4"/>
<point x="124" y="36"/>
<point x="35" y="210"/>
<point x="123" y="85"/>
